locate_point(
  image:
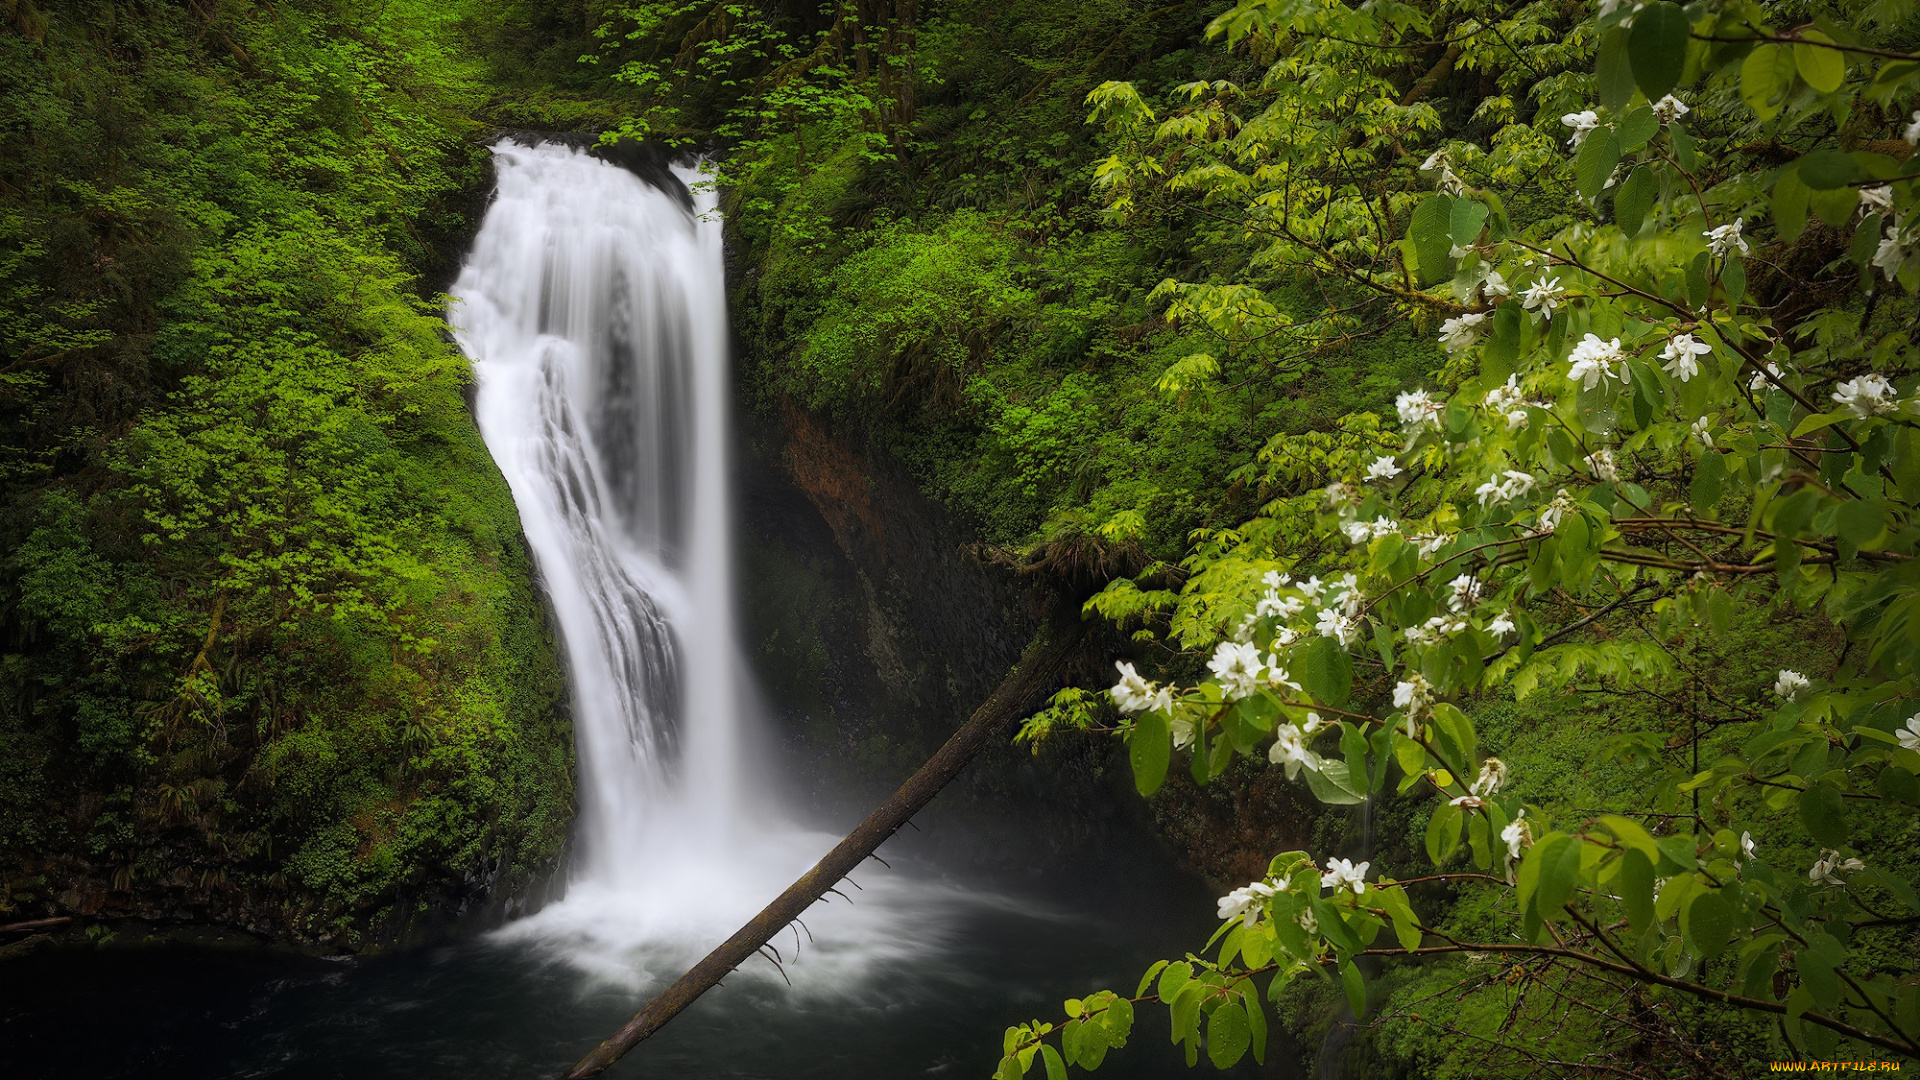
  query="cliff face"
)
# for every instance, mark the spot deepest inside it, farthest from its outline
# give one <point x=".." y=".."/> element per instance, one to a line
<point x="874" y="635"/>
<point x="271" y="650"/>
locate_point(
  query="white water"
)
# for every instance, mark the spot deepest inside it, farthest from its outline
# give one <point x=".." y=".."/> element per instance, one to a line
<point x="593" y="309"/>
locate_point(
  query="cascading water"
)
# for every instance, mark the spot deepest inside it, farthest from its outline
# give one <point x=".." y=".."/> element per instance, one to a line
<point x="593" y="308"/>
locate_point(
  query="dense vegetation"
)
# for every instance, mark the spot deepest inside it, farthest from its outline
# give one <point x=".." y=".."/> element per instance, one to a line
<point x="271" y="649"/>
<point x="1406" y="385"/>
<point x="1648" y="540"/>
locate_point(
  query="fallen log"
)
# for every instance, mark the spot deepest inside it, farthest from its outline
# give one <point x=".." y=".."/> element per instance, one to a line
<point x="32" y="925"/>
<point x="1023" y="691"/>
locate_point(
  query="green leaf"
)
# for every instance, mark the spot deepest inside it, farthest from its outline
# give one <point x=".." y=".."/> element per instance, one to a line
<point x="1636" y="888"/>
<point x="1634" y="199"/>
<point x="1503" y="347"/>
<point x="1559" y="874"/>
<point x="1257" y="1025"/>
<point x="1613" y="70"/>
<point x="1010" y="1069"/>
<point x="1835" y="207"/>
<point x="1228" y="1035"/>
<point x="1765" y="77"/>
<point x="1898" y="784"/>
<point x="1708" y="475"/>
<point x="1056" y="1069"/>
<point x="1697" y="286"/>
<point x="1824" y="813"/>
<point x="1594" y="161"/>
<point x="1710" y="923"/>
<point x="1657" y="45"/>
<point x="1148" y="749"/>
<point x="1464" y="221"/>
<point x="1325" y="670"/>
<point x="1824" y="69"/>
<point x="1823" y="170"/>
<point x="1356" y="987"/>
<point x="1683" y="147"/>
<point x="1636" y="128"/>
<point x="1790" y="198"/>
<point x="1733" y="278"/>
<point x="1866" y="240"/>
<point x="1431" y="221"/>
<point x="1332" y="784"/>
<point x="1443" y="832"/>
<point x="1858" y="522"/>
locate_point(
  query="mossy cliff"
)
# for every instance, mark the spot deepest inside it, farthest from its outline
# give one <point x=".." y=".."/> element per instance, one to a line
<point x="271" y="649"/>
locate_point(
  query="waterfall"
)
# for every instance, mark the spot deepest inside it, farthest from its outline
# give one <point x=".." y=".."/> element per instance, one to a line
<point x="593" y="309"/>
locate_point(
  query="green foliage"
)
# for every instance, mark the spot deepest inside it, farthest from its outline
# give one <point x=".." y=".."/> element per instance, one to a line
<point x="1649" y="434"/>
<point x="272" y="630"/>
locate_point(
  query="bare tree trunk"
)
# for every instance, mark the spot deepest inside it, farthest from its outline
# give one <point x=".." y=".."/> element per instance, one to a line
<point x="1023" y="690"/>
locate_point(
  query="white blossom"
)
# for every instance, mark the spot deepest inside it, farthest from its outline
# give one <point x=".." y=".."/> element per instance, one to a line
<point x="1439" y="159"/>
<point x="1341" y="874"/>
<point x="1868" y="395"/>
<point x="1501" y="626"/>
<point x="1594" y="360"/>
<point x="1747" y="846"/>
<point x="1184" y="732"/>
<point x="1602" y="464"/>
<point x="1493" y="285"/>
<point x="1703" y="430"/>
<point x="1340" y="493"/>
<point x="1358" y="532"/>
<point x="1506" y="395"/>
<point x="1460" y="333"/>
<point x="1307" y="921"/>
<point x="1670" y="108"/>
<point x="1437" y="628"/>
<point x="1470" y="802"/>
<point x="1505" y="487"/>
<point x="1336" y="626"/>
<point x="1383" y="468"/>
<point x="1427" y="543"/>
<point x="1895" y="251"/>
<point x="1826" y="867"/>
<point x="1517" y="834"/>
<point x="1236" y="667"/>
<point x="1722" y="237"/>
<point x="1551" y="514"/>
<point x="1544" y="296"/>
<point x="1313" y="587"/>
<point x="1909" y="736"/>
<point x="1274" y="579"/>
<point x="1466" y="592"/>
<point x="1289" y="749"/>
<point x="1493" y="773"/>
<point x="1417" y="408"/>
<point x="1275" y="606"/>
<point x="1788" y="684"/>
<point x="1581" y="122"/>
<point x="1245" y="902"/>
<point x="1134" y="694"/>
<point x="1876" y="199"/>
<point x="1412" y="696"/>
<point x="1913" y="130"/>
<point x="1760" y="383"/>
<point x="1679" y="356"/>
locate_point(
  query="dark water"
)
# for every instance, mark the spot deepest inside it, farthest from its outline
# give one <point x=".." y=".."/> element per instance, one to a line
<point x="1079" y="919"/>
